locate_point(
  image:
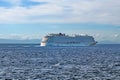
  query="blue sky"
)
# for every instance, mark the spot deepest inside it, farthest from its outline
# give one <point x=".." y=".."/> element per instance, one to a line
<point x="32" y="19"/>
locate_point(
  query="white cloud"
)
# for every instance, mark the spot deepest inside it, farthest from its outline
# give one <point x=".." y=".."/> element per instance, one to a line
<point x="63" y="11"/>
<point x="113" y="37"/>
<point x="19" y="36"/>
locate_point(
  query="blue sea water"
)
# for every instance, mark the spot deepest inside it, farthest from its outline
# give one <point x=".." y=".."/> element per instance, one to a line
<point x="32" y="62"/>
<point x="38" y="45"/>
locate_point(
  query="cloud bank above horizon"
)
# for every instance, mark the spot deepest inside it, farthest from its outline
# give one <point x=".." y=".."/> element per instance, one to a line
<point x="31" y="19"/>
<point x="60" y="11"/>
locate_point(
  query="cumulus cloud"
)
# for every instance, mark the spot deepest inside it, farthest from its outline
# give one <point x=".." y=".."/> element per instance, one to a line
<point x="63" y="11"/>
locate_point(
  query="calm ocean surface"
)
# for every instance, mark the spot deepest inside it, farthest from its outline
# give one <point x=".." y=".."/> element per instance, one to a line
<point x="32" y="62"/>
<point x="38" y="45"/>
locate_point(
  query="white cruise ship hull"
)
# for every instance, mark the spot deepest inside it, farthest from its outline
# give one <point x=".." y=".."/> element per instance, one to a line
<point x="63" y="40"/>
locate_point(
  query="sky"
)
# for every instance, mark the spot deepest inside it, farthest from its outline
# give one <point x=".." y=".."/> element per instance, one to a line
<point x="33" y="19"/>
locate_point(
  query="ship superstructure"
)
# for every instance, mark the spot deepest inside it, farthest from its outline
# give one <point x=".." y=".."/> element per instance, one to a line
<point x="66" y="40"/>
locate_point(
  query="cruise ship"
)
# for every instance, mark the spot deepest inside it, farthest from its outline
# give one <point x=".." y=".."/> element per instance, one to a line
<point x="61" y="39"/>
